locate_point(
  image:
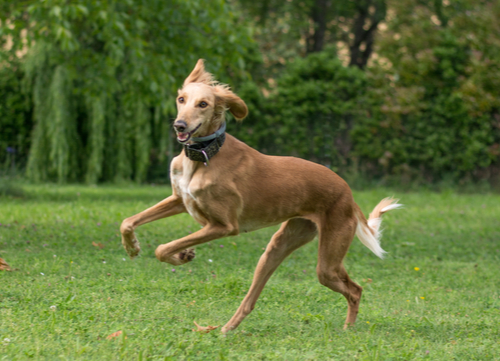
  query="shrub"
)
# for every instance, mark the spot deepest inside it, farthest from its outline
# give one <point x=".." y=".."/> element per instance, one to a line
<point x="420" y="123"/>
<point x="15" y="119"/>
<point x="310" y="111"/>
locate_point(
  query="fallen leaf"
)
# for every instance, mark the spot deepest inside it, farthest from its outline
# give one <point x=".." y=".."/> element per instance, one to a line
<point x="100" y="245"/>
<point x="114" y="335"/>
<point x="203" y="329"/>
<point x="4" y="266"/>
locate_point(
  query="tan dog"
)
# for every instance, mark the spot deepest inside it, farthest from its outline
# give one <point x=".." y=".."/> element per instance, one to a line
<point x="242" y="190"/>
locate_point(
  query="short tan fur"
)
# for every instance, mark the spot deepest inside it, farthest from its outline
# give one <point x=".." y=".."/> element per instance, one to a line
<point x="243" y="190"/>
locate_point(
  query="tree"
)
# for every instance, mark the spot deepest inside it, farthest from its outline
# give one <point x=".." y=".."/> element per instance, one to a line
<point x="369" y="15"/>
<point x="103" y="75"/>
<point x="287" y="29"/>
<point x="436" y="86"/>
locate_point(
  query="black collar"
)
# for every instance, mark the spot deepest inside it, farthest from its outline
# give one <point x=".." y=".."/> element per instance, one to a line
<point x="204" y="148"/>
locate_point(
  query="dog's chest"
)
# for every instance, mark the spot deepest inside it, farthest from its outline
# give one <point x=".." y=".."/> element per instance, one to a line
<point x="182" y="181"/>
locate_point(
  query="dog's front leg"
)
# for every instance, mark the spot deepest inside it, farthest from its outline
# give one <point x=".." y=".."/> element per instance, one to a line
<point x="168" y="207"/>
<point x="177" y="252"/>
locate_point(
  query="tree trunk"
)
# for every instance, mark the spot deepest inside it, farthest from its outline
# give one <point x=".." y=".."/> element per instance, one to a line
<point x="362" y="45"/>
<point x="316" y="40"/>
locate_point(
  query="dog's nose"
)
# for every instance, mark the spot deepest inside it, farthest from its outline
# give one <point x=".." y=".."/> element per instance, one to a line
<point x="180" y="125"/>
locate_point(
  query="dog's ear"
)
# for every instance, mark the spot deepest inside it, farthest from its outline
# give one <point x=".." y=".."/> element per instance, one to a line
<point x="229" y="100"/>
<point x="199" y="75"/>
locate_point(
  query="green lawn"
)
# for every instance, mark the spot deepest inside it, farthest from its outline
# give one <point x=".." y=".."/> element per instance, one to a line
<point x="435" y="296"/>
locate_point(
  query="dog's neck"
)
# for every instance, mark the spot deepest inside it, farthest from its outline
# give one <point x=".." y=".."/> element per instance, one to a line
<point x="203" y="148"/>
<point x="213" y="128"/>
<point x="221" y="129"/>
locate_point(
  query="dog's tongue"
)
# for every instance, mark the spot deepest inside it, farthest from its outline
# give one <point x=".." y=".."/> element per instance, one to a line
<point x="182" y="136"/>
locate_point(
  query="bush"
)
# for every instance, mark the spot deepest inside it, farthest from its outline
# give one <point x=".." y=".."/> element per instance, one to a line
<point x="309" y="113"/>
<point x="420" y="124"/>
<point x="412" y="126"/>
<point x="8" y="188"/>
<point x="15" y="119"/>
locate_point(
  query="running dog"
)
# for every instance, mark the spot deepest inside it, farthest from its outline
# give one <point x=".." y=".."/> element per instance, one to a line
<point x="229" y="188"/>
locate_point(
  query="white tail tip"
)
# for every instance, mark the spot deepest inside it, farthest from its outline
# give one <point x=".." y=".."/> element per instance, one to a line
<point x="370" y="233"/>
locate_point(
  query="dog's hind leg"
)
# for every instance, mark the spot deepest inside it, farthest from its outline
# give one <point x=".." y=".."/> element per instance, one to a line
<point x="292" y="234"/>
<point x="335" y="236"/>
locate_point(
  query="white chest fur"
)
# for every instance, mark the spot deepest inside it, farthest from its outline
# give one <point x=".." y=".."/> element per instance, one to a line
<point x="182" y="182"/>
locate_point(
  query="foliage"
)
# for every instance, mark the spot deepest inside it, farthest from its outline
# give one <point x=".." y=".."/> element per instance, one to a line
<point x="436" y="102"/>
<point x="285" y="30"/>
<point x="104" y="75"/>
<point x="15" y="119"/>
<point x="9" y="188"/>
<point x="310" y="112"/>
<point x="68" y="295"/>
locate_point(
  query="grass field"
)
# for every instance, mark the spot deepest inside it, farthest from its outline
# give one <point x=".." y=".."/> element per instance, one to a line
<point x="435" y="296"/>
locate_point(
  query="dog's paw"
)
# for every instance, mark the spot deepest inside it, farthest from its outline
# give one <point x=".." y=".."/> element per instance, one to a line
<point x="226" y="329"/>
<point x="132" y="248"/>
<point x="183" y="257"/>
<point x="187" y="255"/>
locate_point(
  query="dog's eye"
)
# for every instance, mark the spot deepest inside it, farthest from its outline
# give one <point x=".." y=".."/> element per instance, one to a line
<point x="180" y="100"/>
<point x="203" y="104"/>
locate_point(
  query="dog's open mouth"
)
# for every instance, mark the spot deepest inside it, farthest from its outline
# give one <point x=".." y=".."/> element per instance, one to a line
<point x="184" y="137"/>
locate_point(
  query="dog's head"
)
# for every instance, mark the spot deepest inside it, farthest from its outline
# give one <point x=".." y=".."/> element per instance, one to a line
<point x="201" y="104"/>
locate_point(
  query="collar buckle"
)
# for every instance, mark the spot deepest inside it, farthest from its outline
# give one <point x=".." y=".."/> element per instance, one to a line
<point x="207" y="163"/>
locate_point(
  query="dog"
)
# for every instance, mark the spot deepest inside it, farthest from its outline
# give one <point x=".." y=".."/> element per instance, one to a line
<point x="229" y="188"/>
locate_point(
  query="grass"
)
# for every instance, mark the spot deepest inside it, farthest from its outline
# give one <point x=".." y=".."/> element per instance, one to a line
<point x="68" y="295"/>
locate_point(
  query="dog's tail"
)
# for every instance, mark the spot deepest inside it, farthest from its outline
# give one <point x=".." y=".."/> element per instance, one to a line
<point x="369" y="232"/>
